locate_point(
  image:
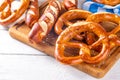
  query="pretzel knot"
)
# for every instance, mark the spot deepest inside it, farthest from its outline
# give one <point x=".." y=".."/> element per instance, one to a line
<point x="7" y="16"/>
<point x="113" y="34"/>
<point x="85" y="51"/>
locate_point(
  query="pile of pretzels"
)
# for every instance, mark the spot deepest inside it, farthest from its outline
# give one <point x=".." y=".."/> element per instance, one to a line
<point x="76" y="28"/>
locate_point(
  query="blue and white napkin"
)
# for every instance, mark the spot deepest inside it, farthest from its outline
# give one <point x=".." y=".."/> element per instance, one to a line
<point x="97" y="7"/>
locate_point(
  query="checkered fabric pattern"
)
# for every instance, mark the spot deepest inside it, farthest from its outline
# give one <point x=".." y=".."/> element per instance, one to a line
<point x="97" y="7"/>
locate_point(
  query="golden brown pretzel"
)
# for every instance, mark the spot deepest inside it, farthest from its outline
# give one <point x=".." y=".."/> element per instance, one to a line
<point x="64" y="38"/>
<point x="114" y="37"/>
<point x="32" y="14"/>
<point x="5" y="9"/>
<point x="70" y="4"/>
<point x="4" y="4"/>
<point x="15" y="14"/>
<point x="108" y="2"/>
<point x="66" y="17"/>
<point x="45" y="23"/>
<point x="105" y="16"/>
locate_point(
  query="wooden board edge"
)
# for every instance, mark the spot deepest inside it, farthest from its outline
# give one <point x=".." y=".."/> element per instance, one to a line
<point x="98" y="73"/>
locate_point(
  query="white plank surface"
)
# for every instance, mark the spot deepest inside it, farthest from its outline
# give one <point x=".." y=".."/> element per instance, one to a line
<point x="44" y="68"/>
<point x="3" y="28"/>
<point x="21" y="62"/>
<point x="8" y="45"/>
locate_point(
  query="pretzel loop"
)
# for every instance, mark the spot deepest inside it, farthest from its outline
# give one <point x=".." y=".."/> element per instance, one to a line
<point x="66" y="17"/>
<point x="105" y="16"/>
<point x="64" y="40"/>
<point x="10" y="16"/>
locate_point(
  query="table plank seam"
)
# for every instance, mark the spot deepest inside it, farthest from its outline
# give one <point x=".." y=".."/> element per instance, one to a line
<point x="23" y="54"/>
<point x="5" y="29"/>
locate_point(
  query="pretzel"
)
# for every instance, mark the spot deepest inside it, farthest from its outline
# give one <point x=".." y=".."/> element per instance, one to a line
<point x="4" y="4"/>
<point x="66" y="17"/>
<point x="114" y="37"/>
<point x="70" y="4"/>
<point x="45" y="23"/>
<point x="108" y="2"/>
<point x="14" y="15"/>
<point x="32" y="14"/>
<point x="64" y="40"/>
<point x="5" y="9"/>
<point x="105" y="16"/>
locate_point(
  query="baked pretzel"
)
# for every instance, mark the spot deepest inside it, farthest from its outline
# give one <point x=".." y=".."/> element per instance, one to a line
<point x="105" y="16"/>
<point x="114" y="37"/>
<point x="5" y="9"/>
<point x="4" y="4"/>
<point x="45" y="23"/>
<point x="32" y="14"/>
<point x="66" y="17"/>
<point x="14" y="15"/>
<point x="70" y="4"/>
<point x="108" y="2"/>
<point x="64" y="40"/>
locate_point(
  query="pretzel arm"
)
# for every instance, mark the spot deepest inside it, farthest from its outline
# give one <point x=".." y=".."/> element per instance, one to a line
<point x="45" y="22"/>
<point x="15" y="14"/>
<point x="70" y="4"/>
<point x="32" y="14"/>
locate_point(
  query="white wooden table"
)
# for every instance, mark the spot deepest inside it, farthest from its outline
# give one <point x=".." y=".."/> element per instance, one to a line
<point x="21" y="62"/>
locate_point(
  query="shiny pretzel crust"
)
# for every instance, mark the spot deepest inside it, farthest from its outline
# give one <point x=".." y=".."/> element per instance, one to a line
<point x="85" y="50"/>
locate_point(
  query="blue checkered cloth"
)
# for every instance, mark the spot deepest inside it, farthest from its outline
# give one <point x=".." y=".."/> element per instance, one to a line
<point x="97" y="7"/>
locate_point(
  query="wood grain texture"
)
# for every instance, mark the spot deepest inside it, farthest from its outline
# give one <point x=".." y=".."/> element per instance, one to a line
<point x="48" y="45"/>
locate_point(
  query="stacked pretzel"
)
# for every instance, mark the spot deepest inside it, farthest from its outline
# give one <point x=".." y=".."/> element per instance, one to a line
<point x="43" y="26"/>
<point x="87" y="36"/>
<point x="83" y="29"/>
<point x="8" y="16"/>
<point x="40" y="25"/>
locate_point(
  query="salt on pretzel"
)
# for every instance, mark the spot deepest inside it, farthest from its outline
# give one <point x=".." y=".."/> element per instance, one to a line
<point x="64" y="40"/>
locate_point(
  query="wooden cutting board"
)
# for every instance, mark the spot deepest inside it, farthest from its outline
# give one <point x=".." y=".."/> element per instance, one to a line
<point x="47" y="46"/>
